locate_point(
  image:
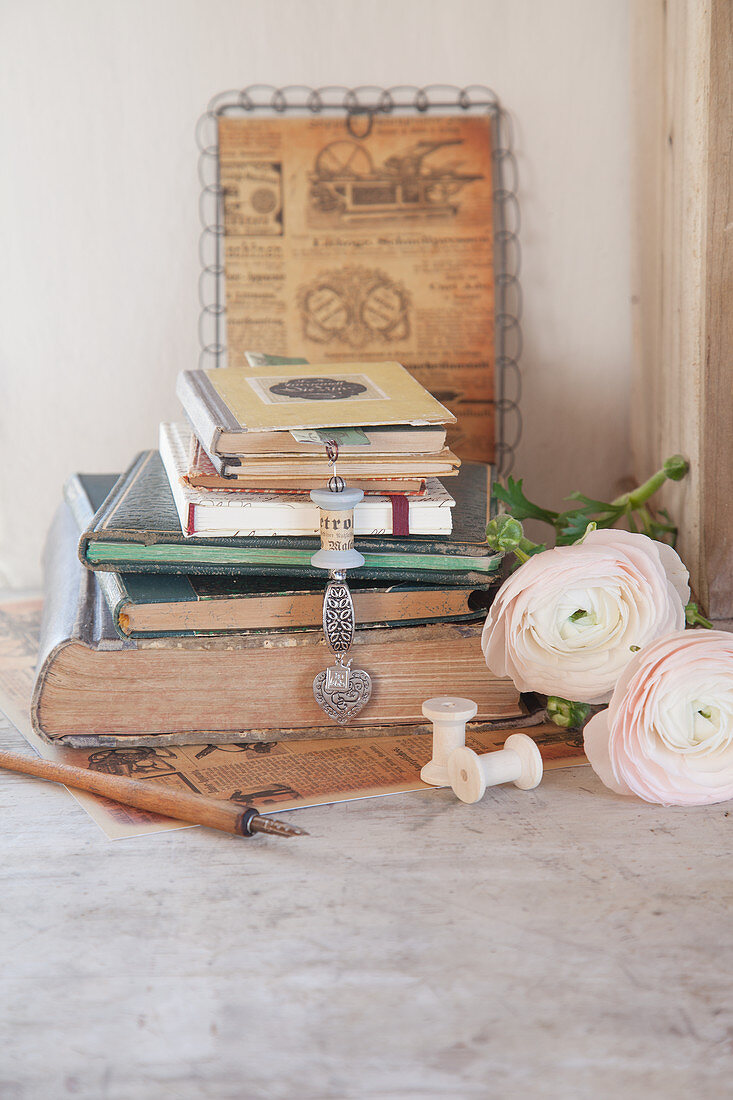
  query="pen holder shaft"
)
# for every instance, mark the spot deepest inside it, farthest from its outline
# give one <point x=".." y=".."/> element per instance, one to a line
<point x="143" y="794"/>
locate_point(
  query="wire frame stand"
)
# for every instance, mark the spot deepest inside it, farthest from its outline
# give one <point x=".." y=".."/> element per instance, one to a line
<point x="359" y="106"/>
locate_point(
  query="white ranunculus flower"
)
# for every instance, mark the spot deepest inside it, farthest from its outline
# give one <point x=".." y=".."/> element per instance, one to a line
<point x="569" y="620"/>
<point x="667" y="735"/>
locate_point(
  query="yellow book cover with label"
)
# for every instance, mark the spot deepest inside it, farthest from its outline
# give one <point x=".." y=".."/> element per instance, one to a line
<point x="313" y="395"/>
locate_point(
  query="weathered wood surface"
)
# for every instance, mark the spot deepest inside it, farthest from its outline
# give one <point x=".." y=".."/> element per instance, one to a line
<point x="682" y="232"/>
<point x="552" y="943"/>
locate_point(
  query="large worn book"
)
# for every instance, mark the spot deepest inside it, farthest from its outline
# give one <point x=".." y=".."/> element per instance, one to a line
<point x="138" y="529"/>
<point x="93" y="688"/>
<point x="162" y="604"/>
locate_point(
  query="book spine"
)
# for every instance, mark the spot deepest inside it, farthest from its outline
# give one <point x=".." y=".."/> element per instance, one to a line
<point x="78" y="501"/>
<point x="122" y="488"/>
<point x="115" y="597"/>
<point x="223" y="466"/>
<point x="198" y="412"/>
<point x="100" y="522"/>
<point x="70" y="613"/>
<point x="82" y="511"/>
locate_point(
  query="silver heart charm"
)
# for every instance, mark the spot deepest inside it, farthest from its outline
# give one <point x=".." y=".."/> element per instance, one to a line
<point x="342" y="691"/>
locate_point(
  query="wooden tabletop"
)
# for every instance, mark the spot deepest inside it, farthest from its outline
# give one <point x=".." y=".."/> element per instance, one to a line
<point x="559" y="942"/>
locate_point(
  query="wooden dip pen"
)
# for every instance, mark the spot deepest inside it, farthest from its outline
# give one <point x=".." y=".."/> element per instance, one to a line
<point x="214" y="813"/>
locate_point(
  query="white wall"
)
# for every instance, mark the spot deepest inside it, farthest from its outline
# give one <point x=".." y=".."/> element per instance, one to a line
<point x="99" y="224"/>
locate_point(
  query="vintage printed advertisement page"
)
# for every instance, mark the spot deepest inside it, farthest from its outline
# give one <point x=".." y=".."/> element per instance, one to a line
<point x="283" y="775"/>
<point x="360" y="248"/>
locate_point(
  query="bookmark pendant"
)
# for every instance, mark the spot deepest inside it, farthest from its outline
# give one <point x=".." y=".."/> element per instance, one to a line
<point x="342" y="691"/>
<point x="338" y="616"/>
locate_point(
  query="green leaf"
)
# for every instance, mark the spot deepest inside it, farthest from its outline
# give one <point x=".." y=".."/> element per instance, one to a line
<point x="588" y="502"/>
<point x="513" y="496"/>
<point x="571" y="525"/>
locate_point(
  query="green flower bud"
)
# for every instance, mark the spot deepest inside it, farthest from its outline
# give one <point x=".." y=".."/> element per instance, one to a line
<point x="676" y="467"/>
<point x="505" y="533"/>
<point x="567" y="714"/>
<point x="592" y="526"/>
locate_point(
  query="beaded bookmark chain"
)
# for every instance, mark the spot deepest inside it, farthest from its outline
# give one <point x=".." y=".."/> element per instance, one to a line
<point x="341" y="691"/>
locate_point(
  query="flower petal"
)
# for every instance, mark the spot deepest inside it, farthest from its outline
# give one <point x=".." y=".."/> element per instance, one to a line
<point x="568" y="620"/>
<point x="667" y="735"/>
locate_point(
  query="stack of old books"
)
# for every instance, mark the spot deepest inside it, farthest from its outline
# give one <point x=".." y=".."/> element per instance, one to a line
<point x="181" y="604"/>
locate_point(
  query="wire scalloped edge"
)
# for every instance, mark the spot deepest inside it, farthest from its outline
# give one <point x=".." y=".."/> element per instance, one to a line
<point x="369" y="99"/>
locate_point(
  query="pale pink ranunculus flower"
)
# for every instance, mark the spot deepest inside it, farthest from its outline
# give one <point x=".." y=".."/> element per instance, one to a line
<point x="667" y="735"/>
<point x="569" y="620"/>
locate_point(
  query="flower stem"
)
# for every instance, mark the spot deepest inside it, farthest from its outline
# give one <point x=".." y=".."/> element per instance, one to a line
<point x="674" y="469"/>
<point x="693" y="617"/>
<point x="525" y="550"/>
<point x="631" y="501"/>
<point x="646" y="520"/>
<point x="566" y="713"/>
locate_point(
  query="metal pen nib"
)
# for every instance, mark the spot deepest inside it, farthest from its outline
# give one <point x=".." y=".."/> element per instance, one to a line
<point x="254" y="822"/>
<point x="275" y="827"/>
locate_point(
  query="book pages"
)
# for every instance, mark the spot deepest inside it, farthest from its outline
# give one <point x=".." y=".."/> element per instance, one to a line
<point x="231" y="514"/>
<point x="285" y="775"/>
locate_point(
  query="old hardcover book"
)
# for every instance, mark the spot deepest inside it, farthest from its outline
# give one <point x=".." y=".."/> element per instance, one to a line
<point x="163" y="604"/>
<point x="428" y="439"/>
<point x="214" y="513"/>
<point x="93" y="688"/>
<point x="206" y="473"/>
<point x="160" y="605"/>
<point x="257" y="470"/>
<point x="227" y="403"/>
<point x="137" y="529"/>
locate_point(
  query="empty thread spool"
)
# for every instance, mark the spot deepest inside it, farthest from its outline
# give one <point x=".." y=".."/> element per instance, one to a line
<point x="337" y="529"/>
<point x="519" y="762"/>
<point x="449" y="715"/>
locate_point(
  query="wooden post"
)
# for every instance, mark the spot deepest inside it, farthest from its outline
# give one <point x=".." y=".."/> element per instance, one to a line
<point x="682" y="283"/>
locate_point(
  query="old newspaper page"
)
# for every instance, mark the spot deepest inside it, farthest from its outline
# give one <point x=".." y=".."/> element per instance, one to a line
<point x="341" y="247"/>
<point x="285" y="775"/>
